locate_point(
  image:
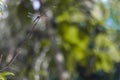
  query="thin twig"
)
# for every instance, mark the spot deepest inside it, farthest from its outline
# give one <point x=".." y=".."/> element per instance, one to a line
<point x="26" y="38"/>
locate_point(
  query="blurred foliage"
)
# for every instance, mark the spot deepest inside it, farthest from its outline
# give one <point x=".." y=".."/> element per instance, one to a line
<point x="2" y="3"/>
<point x="3" y="75"/>
<point x="84" y="34"/>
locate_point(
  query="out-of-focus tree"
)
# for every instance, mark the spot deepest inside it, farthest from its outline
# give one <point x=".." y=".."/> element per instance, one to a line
<point x="80" y="30"/>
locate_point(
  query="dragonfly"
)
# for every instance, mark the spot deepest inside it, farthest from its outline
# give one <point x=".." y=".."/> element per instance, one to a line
<point x="35" y="21"/>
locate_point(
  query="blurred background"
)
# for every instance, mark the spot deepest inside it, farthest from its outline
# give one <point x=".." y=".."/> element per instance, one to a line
<point x="73" y="39"/>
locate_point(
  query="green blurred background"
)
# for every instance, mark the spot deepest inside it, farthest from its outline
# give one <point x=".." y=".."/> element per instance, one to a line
<point x="85" y="32"/>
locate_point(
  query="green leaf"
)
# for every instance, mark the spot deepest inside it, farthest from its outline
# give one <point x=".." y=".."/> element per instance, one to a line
<point x="8" y="74"/>
<point x="3" y="75"/>
<point x="2" y="78"/>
